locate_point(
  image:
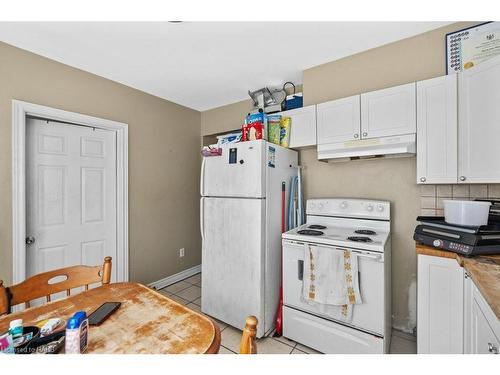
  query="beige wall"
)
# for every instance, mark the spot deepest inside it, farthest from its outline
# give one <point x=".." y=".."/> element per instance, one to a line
<point x="228" y="117"/>
<point x="164" y="160"/>
<point x="408" y="60"/>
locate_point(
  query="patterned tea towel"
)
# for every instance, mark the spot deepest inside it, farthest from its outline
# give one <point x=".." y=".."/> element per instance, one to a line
<point x="330" y="280"/>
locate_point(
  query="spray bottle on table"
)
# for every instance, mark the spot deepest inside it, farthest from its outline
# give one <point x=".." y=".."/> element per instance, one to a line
<point x="77" y="331"/>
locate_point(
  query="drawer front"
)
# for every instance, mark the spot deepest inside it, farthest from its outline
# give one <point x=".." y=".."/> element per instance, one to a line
<point x="328" y="337"/>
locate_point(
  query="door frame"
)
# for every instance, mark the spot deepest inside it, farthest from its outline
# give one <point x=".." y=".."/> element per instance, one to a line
<point x="20" y="110"/>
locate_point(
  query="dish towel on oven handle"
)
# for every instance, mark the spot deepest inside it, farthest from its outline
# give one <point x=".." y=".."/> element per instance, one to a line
<point x="330" y="281"/>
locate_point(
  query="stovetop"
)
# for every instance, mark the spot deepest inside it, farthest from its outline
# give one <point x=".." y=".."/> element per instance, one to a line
<point x="358" y="236"/>
<point x="345" y="222"/>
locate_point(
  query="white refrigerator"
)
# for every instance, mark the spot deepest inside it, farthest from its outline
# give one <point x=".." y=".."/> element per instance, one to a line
<point x="240" y="220"/>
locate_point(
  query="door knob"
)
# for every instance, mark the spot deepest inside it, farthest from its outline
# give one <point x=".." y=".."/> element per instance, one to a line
<point x="30" y="240"/>
<point x="462" y="178"/>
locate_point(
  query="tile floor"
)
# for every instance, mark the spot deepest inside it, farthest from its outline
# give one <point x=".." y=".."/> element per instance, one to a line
<point x="188" y="292"/>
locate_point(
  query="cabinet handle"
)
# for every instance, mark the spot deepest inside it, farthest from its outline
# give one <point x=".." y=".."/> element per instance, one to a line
<point x="462" y="178"/>
<point x="492" y="348"/>
<point x="365" y="134"/>
<point x="356" y="135"/>
<point x="423" y="179"/>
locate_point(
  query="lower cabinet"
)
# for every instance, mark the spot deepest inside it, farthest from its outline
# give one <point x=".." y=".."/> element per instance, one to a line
<point x="452" y="315"/>
<point x="482" y="328"/>
<point x="439" y="305"/>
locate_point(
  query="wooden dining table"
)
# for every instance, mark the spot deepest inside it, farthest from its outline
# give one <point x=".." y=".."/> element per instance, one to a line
<point x="146" y="322"/>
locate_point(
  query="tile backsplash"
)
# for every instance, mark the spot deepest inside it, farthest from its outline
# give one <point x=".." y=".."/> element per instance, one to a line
<point x="432" y="196"/>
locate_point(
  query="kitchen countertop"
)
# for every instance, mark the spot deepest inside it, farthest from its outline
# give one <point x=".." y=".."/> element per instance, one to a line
<point x="484" y="271"/>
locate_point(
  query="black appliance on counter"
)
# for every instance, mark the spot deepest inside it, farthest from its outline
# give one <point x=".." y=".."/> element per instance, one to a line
<point x="464" y="240"/>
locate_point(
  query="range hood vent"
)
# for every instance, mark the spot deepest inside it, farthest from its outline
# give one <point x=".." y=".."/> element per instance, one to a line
<point x="394" y="146"/>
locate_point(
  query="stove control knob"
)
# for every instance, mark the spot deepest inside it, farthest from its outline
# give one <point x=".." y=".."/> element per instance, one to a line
<point x="320" y="206"/>
<point x="369" y="207"/>
<point x="380" y="208"/>
<point x="437" y="243"/>
<point x="343" y="204"/>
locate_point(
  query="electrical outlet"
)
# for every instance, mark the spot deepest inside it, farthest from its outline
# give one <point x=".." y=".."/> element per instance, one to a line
<point x="181" y="253"/>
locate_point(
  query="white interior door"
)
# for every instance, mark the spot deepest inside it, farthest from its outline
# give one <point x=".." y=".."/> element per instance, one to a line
<point x="70" y="195"/>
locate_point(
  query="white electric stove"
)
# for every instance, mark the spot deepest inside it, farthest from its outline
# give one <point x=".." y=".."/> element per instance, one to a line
<point x="363" y="227"/>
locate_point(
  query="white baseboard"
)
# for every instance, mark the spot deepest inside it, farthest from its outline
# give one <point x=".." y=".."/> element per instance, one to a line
<point x="175" y="278"/>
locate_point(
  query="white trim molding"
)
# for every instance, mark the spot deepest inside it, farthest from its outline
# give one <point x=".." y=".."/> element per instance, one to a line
<point x="175" y="278"/>
<point x="22" y="109"/>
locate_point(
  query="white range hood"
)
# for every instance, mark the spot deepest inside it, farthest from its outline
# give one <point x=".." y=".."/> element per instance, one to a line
<point x="394" y="146"/>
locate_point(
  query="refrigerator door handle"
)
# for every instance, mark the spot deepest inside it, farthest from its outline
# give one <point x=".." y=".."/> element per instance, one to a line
<point x="202" y="220"/>
<point x="202" y="177"/>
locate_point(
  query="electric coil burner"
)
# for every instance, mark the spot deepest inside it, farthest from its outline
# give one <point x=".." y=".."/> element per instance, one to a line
<point x="316" y="226"/>
<point x="310" y="232"/>
<point x="366" y="232"/>
<point x="359" y="239"/>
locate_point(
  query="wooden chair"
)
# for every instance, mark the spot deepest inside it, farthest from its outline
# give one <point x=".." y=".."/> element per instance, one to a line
<point x="248" y="338"/>
<point x="44" y="285"/>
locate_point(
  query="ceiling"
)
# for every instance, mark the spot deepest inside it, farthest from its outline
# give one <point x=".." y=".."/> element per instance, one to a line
<point x="203" y="65"/>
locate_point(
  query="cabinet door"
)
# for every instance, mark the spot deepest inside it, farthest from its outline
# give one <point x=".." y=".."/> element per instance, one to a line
<point x="388" y="112"/>
<point x="303" y="130"/>
<point x="484" y="340"/>
<point x="479" y="123"/>
<point x="468" y="301"/>
<point x="485" y="328"/>
<point x="437" y="130"/>
<point x="339" y="120"/>
<point x="439" y="306"/>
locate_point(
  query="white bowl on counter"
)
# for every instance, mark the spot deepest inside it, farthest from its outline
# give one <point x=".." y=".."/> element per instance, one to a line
<point x="467" y="213"/>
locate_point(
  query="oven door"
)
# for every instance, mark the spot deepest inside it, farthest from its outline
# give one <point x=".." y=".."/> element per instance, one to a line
<point x="368" y="316"/>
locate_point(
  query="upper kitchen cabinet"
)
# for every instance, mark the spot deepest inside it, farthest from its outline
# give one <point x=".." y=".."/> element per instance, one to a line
<point x="339" y="120"/>
<point x="437" y="130"/>
<point x="388" y="112"/>
<point x="479" y="123"/>
<point x="303" y="130"/>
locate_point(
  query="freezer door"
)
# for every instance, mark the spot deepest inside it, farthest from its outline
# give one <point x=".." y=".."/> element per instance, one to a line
<point x="238" y="172"/>
<point x="232" y="260"/>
